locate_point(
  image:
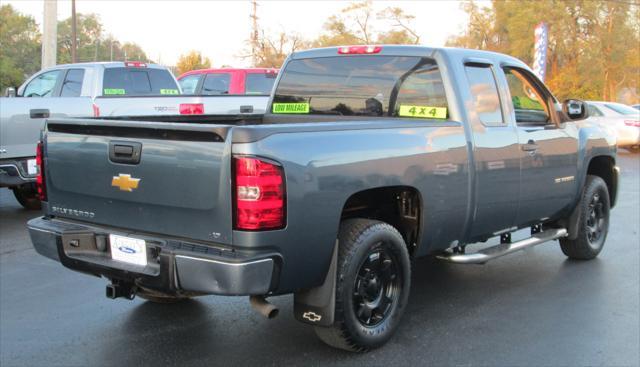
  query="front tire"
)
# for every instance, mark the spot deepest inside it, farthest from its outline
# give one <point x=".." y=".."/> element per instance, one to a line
<point x="372" y="286"/>
<point x="593" y="224"/>
<point x="27" y="196"/>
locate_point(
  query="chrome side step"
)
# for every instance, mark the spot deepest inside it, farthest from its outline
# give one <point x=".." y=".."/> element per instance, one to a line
<point x="502" y="249"/>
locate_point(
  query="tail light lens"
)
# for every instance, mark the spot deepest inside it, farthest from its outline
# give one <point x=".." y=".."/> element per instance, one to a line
<point x="632" y="123"/>
<point x="135" y="64"/>
<point x="259" y="194"/>
<point x="191" y="108"/>
<point x="41" y="185"/>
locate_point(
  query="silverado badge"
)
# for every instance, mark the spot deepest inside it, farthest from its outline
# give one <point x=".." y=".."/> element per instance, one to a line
<point x="125" y="182"/>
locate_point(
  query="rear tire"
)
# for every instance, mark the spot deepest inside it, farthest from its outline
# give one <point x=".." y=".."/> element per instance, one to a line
<point x="593" y="224"/>
<point x="27" y="196"/>
<point x="372" y="286"/>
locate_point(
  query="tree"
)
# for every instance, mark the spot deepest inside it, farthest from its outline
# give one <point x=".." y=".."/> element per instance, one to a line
<point x="92" y="43"/>
<point x="19" y="47"/>
<point x="593" y="50"/>
<point x="192" y="61"/>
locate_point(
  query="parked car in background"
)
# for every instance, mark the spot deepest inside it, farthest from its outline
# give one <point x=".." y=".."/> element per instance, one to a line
<point x="104" y="89"/>
<point x="636" y="106"/>
<point x="625" y="120"/>
<point x="255" y="81"/>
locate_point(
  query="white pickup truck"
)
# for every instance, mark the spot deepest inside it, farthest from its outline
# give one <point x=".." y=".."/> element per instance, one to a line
<point x="100" y="89"/>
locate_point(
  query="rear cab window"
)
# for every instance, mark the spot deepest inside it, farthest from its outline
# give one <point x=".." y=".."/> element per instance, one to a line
<point x="362" y="85"/>
<point x="216" y="84"/>
<point x="259" y="83"/>
<point x="138" y="81"/>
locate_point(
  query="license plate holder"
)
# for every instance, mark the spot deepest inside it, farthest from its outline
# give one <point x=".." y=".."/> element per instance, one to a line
<point x="128" y="250"/>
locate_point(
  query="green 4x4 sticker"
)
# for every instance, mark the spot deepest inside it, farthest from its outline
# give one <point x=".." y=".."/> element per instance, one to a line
<point x="302" y="107"/>
<point x="169" y="91"/>
<point x="423" y="111"/>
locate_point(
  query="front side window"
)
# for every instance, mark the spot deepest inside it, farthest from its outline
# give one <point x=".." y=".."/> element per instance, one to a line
<point x="371" y="85"/>
<point x="528" y="102"/>
<point x="189" y="83"/>
<point x="485" y="95"/>
<point x="215" y="84"/>
<point x="72" y="85"/>
<point x="42" y="85"/>
<point x="259" y="83"/>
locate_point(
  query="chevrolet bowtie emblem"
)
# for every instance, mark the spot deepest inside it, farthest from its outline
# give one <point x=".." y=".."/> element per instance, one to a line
<point x="125" y="182"/>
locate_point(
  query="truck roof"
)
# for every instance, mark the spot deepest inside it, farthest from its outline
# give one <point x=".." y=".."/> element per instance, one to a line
<point x="413" y="50"/>
<point x="107" y="64"/>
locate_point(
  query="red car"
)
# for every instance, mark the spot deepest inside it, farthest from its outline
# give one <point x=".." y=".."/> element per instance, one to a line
<point x="228" y="81"/>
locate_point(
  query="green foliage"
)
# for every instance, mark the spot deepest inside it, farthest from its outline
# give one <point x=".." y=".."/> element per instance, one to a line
<point x="19" y="47"/>
<point x="594" y="46"/>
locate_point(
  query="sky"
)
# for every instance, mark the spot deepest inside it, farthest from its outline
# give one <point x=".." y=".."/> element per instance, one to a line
<point x="219" y="29"/>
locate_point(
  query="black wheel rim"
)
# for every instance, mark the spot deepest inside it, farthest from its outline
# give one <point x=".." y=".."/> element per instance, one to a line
<point x="596" y="219"/>
<point x="377" y="286"/>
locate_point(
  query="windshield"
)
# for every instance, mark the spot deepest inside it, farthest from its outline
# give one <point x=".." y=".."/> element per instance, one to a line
<point x="394" y="86"/>
<point x="621" y="109"/>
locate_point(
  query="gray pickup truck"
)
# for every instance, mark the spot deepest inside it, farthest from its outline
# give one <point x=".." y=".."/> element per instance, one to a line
<point x="89" y="90"/>
<point x="369" y="156"/>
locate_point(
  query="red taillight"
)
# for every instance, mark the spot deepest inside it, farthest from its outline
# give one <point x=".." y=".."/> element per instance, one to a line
<point x="632" y="123"/>
<point x="259" y="194"/>
<point x="41" y="184"/>
<point x="348" y="50"/>
<point x="96" y="110"/>
<point x="135" y="64"/>
<point x="191" y="108"/>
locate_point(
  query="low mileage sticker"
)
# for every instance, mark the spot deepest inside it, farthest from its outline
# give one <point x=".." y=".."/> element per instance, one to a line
<point x="290" y="107"/>
<point x="423" y="111"/>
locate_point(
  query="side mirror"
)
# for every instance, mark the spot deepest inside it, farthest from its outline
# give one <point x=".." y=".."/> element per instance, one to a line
<point x="10" y="92"/>
<point x="575" y="109"/>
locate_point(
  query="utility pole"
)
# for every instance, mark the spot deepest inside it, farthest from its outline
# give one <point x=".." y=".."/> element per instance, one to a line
<point x="49" y="34"/>
<point x="74" y="37"/>
<point x="254" y="31"/>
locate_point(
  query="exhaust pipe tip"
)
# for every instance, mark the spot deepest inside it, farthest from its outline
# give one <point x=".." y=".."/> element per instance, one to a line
<point x="263" y="307"/>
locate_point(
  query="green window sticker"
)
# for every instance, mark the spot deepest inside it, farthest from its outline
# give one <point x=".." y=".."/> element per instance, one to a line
<point x="113" y="91"/>
<point x="423" y="111"/>
<point x="291" y="107"/>
<point x="169" y="91"/>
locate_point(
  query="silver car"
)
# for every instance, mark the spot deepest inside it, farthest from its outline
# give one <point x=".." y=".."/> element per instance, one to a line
<point x="623" y="119"/>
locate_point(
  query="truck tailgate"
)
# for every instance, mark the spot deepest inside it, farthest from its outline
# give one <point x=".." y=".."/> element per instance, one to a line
<point x="180" y="186"/>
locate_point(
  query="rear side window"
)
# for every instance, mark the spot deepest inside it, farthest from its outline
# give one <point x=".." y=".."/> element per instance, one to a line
<point x="215" y="84"/>
<point x="138" y="82"/>
<point x="485" y="95"/>
<point x="259" y="83"/>
<point x="72" y="85"/>
<point x="189" y="83"/>
<point x="393" y="86"/>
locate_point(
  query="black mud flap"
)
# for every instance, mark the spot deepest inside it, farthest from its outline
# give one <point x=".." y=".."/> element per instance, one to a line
<point x="316" y="306"/>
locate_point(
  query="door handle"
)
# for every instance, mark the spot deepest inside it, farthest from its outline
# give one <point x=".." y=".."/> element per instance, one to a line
<point x="39" y="113"/>
<point x="531" y="146"/>
<point x="125" y="152"/>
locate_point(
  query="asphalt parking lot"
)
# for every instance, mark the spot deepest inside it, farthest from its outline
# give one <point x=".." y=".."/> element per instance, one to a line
<point x="533" y="308"/>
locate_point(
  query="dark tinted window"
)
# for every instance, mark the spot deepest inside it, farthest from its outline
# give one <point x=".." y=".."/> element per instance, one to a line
<point x="259" y="83"/>
<point x="189" y="83"/>
<point x="72" y="85"/>
<point x="216" y="84"/>
<point x="138" y="82"/>
<point x="42" y="85"/>
<point x="485" y="95"/>
<point x="527" y="100"/>
<point x="362" y="86"/>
